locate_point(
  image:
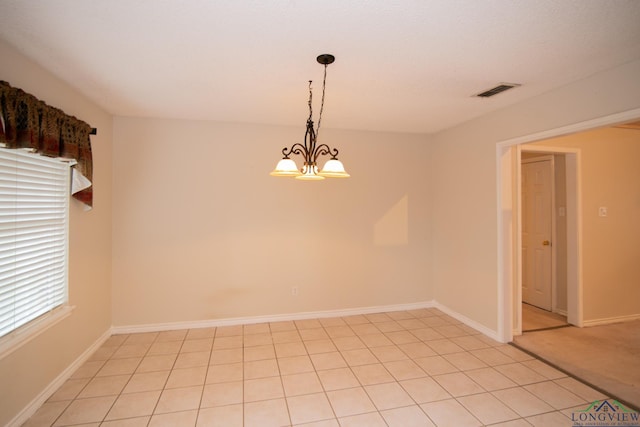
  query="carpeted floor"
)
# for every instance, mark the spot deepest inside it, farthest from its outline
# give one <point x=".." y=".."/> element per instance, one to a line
<point x="607" y="357"/>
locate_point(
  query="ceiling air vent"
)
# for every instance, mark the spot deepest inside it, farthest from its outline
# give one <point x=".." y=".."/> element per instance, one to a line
<point x="496" y="90"/>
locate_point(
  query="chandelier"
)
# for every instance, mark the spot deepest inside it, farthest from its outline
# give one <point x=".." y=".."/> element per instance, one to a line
<point x="310" y="151"/>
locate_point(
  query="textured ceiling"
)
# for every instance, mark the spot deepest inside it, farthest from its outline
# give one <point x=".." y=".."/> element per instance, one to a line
<point x="407" y="66"/>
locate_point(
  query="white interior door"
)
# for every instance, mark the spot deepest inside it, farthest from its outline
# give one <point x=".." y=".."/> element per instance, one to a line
<point x="536" y="232"/>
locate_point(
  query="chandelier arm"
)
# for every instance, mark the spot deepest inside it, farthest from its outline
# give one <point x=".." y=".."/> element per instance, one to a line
<point x="296" y="148"/>
<point x="324" y="150"/>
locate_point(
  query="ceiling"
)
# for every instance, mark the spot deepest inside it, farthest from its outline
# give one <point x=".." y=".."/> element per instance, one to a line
<point x="403" y="66"/>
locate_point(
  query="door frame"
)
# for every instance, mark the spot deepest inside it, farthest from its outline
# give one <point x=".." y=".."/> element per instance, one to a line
<point x="548" y="157"/>
<point x="508" y="156"/>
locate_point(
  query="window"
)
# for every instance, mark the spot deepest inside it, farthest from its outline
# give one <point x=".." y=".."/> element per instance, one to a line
<point x="34" y="211"/>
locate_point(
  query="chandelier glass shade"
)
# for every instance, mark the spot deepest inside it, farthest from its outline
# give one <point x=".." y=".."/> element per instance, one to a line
<point x="311" y="150"/>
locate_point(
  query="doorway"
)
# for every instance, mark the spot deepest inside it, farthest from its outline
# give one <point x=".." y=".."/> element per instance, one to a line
<point x="508" y="158"/>
<point x="548" y="226"/>
<point x="544" y="240"/>
<point x="544" y="274"/>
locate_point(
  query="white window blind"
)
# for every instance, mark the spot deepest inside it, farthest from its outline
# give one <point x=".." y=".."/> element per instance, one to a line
<point x="34" y="210"/>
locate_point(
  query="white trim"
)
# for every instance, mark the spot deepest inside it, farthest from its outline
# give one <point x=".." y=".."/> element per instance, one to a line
<point x="469" y="322"/>
<point x="573" y="173"/>
<point x="546" y="157"/>
<point x="609" y="120"/>
<point x="232" y="321"/>
<point x="505" y="162"/>
<point x="517" y="219"/>
<point x="19" y="337"/>
<point x="609" y="320"/>
<point x="554" y="237"/>
<point x="516" y="258"/>
<point x="28" y="411"/>
<point x="506" y="324"/>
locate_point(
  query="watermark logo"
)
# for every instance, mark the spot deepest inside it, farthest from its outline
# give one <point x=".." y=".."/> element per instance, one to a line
<point x="605" y="413"/>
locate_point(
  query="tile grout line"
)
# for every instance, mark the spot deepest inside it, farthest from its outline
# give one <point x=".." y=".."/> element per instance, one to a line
<point x="388" y="334"/>
<point x="324" y="391"/>
<point x="164" y="387"/>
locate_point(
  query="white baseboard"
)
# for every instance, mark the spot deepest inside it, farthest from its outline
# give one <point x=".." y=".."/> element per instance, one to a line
<point x="469" y="322"/>
<point x="156" y="327"/>
<point x="609" y="320"/>
<point x="45" y="394"/>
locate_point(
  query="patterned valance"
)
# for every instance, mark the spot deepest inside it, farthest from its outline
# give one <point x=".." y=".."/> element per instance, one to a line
<point x="27" y="122"/>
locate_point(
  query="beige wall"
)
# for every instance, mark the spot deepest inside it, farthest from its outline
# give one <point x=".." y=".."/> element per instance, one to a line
<point x="610" y="178"/>
<point x="202" y="232"/>
<point x="26" y="372"/>
<point x="464" y="215"/>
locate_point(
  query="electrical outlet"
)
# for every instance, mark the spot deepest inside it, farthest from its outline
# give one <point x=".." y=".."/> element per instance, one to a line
<point x="294" y="291"/>
<point x="602" y="211"/>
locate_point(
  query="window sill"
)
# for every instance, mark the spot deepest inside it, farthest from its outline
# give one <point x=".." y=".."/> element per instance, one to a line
<point x="16" y="339"/>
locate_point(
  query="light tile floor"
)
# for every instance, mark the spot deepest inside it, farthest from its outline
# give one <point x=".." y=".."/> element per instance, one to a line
<point x="408" y="368"/>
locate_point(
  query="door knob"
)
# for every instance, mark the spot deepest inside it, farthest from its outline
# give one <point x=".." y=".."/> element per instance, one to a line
<point x="546" y="243"/>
